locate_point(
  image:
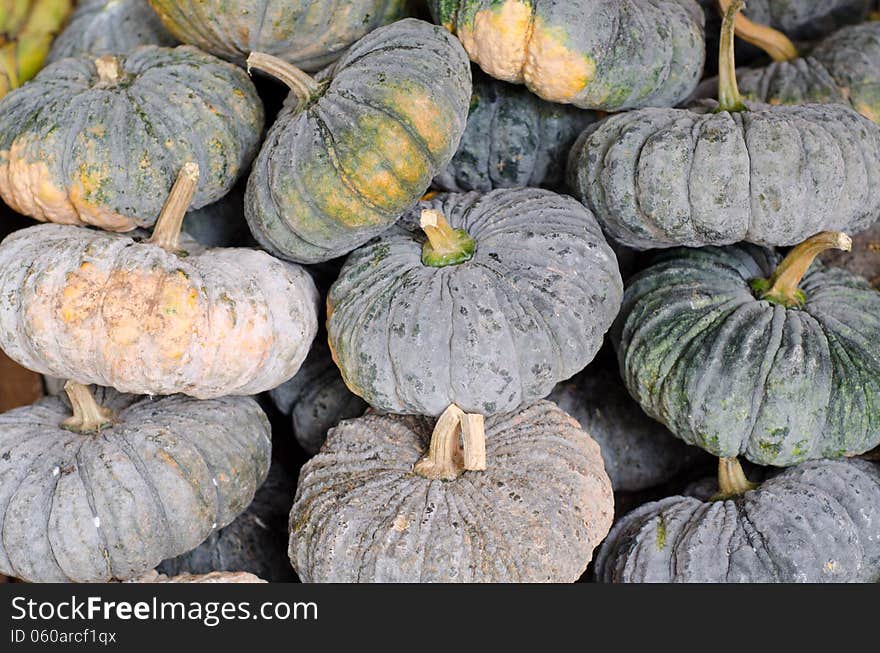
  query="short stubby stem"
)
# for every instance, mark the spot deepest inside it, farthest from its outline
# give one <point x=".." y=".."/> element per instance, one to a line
<point x="166" y="234"/>
<point x="301" y="84"/>
<point x="732" y="481"/>
<point x="776" y="44"/>
<point x="109" y="69"/>
<point x="88" y="416"/>
<point x="445" y="245"/>
<point x="446" y="460"/>
<point x="782" y="287"/>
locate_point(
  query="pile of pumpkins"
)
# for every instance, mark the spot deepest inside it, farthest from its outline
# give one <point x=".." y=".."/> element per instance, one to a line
<point x="525" y="279"/>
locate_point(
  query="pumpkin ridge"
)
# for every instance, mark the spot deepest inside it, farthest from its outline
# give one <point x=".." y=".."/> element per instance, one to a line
<point x="84" y="476"/>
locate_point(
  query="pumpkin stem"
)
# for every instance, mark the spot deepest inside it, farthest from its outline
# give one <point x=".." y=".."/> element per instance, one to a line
<point x="729" y="98"/>
<point x="88" y="415"/>
<point x="782" y="286"/>
<point x="445" y="459"/>
<point x="166" y="234"/>
<point x="773" y="42"/>
<point x="301" y="84"/>
<point x="445" y="246"/>
<point x="732" y="481"/>
<point x="109" y="70"/>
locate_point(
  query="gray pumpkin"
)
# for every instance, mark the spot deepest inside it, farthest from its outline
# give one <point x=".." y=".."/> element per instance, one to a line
<point x="513" y="138"/>
<point x="765" y="175"/>
<point x="109" y="27"/>
<point x="101" y="496"/>
<point x="864" y="259"/>
<point x="307" y="33"/>
<point x="362" y="514"/>
<point x="522" y="302"/>
<point x="813" y="523"/>
<point x="639" y="452"/>
<point x="101" y="141"/>
<point x="255" y="542"/>
<point x="316" y="399"/>
<point x="349" y="153"/>
<point x="778" y="370"/>
<point x="593" y="54"/>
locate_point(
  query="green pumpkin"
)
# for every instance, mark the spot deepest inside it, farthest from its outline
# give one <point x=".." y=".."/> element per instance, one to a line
<point x="109" y="27"/>
<point x="307" y="33"/>
<point x="814" y="523"/>
<point x="513" y="138"/>
<point x="729" y="172"/>
<point x="482" y="301"/>
<point x="122" y="483"/>
<point x="591" y="53"/>
<point x="101" y="141"/>
<point x="741" y="354"/>
<point x="351" y="151"/>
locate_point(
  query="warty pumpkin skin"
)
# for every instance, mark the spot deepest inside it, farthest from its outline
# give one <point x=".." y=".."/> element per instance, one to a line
<point x="594" y="54"/>
<point x="814" y="523"/>
<point x="109" y="27"/>
<point x="307" y="33"/>
<point x="535" y="289"/>
<point x="513" y="138"/>
<point x="350" y="152"/>
<point x="367" y="509"/>
<point x="731" y="173"/>
<point x="147" y="318"/>
<point x="316" y="399"/>
<point x="100" y="141"/>
<point x="110" y="495"/>
<point x="706" y="348"/>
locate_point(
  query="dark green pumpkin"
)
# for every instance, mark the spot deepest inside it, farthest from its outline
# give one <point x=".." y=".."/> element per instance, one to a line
<point x="591" y="53"/>
<point x="307" y="33"/>
<point x="101" y="141"/>
<point x="109" y="27"/>
<point x="776" y="371"/>
<point x="513" y="138"/>
<point x="814" y="523"/>
<point x="351" y="152"/>
<point x="520" y="301"/>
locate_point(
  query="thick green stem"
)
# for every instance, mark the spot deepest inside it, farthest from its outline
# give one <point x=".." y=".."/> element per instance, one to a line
<point x="88" y="415"/>
<point x="773" y="42"/>
<point x="445" y="246"/>
<point x="729" y="98"/>
<point x="782" y="287"/>
<point x="301" y="84"/>
<point x="166" y="234"/>
<point x="732" y="481"/>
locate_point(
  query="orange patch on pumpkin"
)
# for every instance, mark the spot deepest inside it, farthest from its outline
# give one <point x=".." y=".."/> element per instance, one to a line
<point x="498" y="38"/>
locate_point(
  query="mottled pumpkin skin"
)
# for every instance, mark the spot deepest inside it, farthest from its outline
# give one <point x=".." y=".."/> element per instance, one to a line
<point x="844" y="68"/>
<point x="316" y="399"/>
<point x="255" y="542"/>
<point x="739" y="376"/>
<point x="103" y="308"/>
<point x="332" y="176"/>
<point x="594" y="54"/>
<point x="109" y="27"/>
<point x="814" y="523"/>
<point x="535" y="514"/>
<point x="513" y="138"/>
<point x="308" y="33"/>
<point x="864" y="259"/>
<point x="639" y="452"/>
<point x="528" y="310"/>
<point x="88" y="508"/>
<point x="76" y="150"/>
<point x="771" y="175"/>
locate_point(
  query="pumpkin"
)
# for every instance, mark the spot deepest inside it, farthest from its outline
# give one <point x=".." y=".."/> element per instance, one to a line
<point x="107" y="486"/>
<point x="591" y="53"/>
<point x="864" y="259"/>
<point x="350" y="152"/>
<point x="512" y="139"/>
<point x="307" y="33"/>
<point x="255" y="542"/>
<point x="27" y="28"/>
<point x="741" y="354"/>
<point x="370" y="507"/>
<point x="639" y="453"/>
<point x="316" y="399"/>
<point x="109" y="27"/>
<point x="482" y="301"/>
<point x="100" y="141"/>
<point x="213" y="577"/>
<point x="156" y="316"/>
<point x="761" y="174"/>
<point x="813" y="523"/>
